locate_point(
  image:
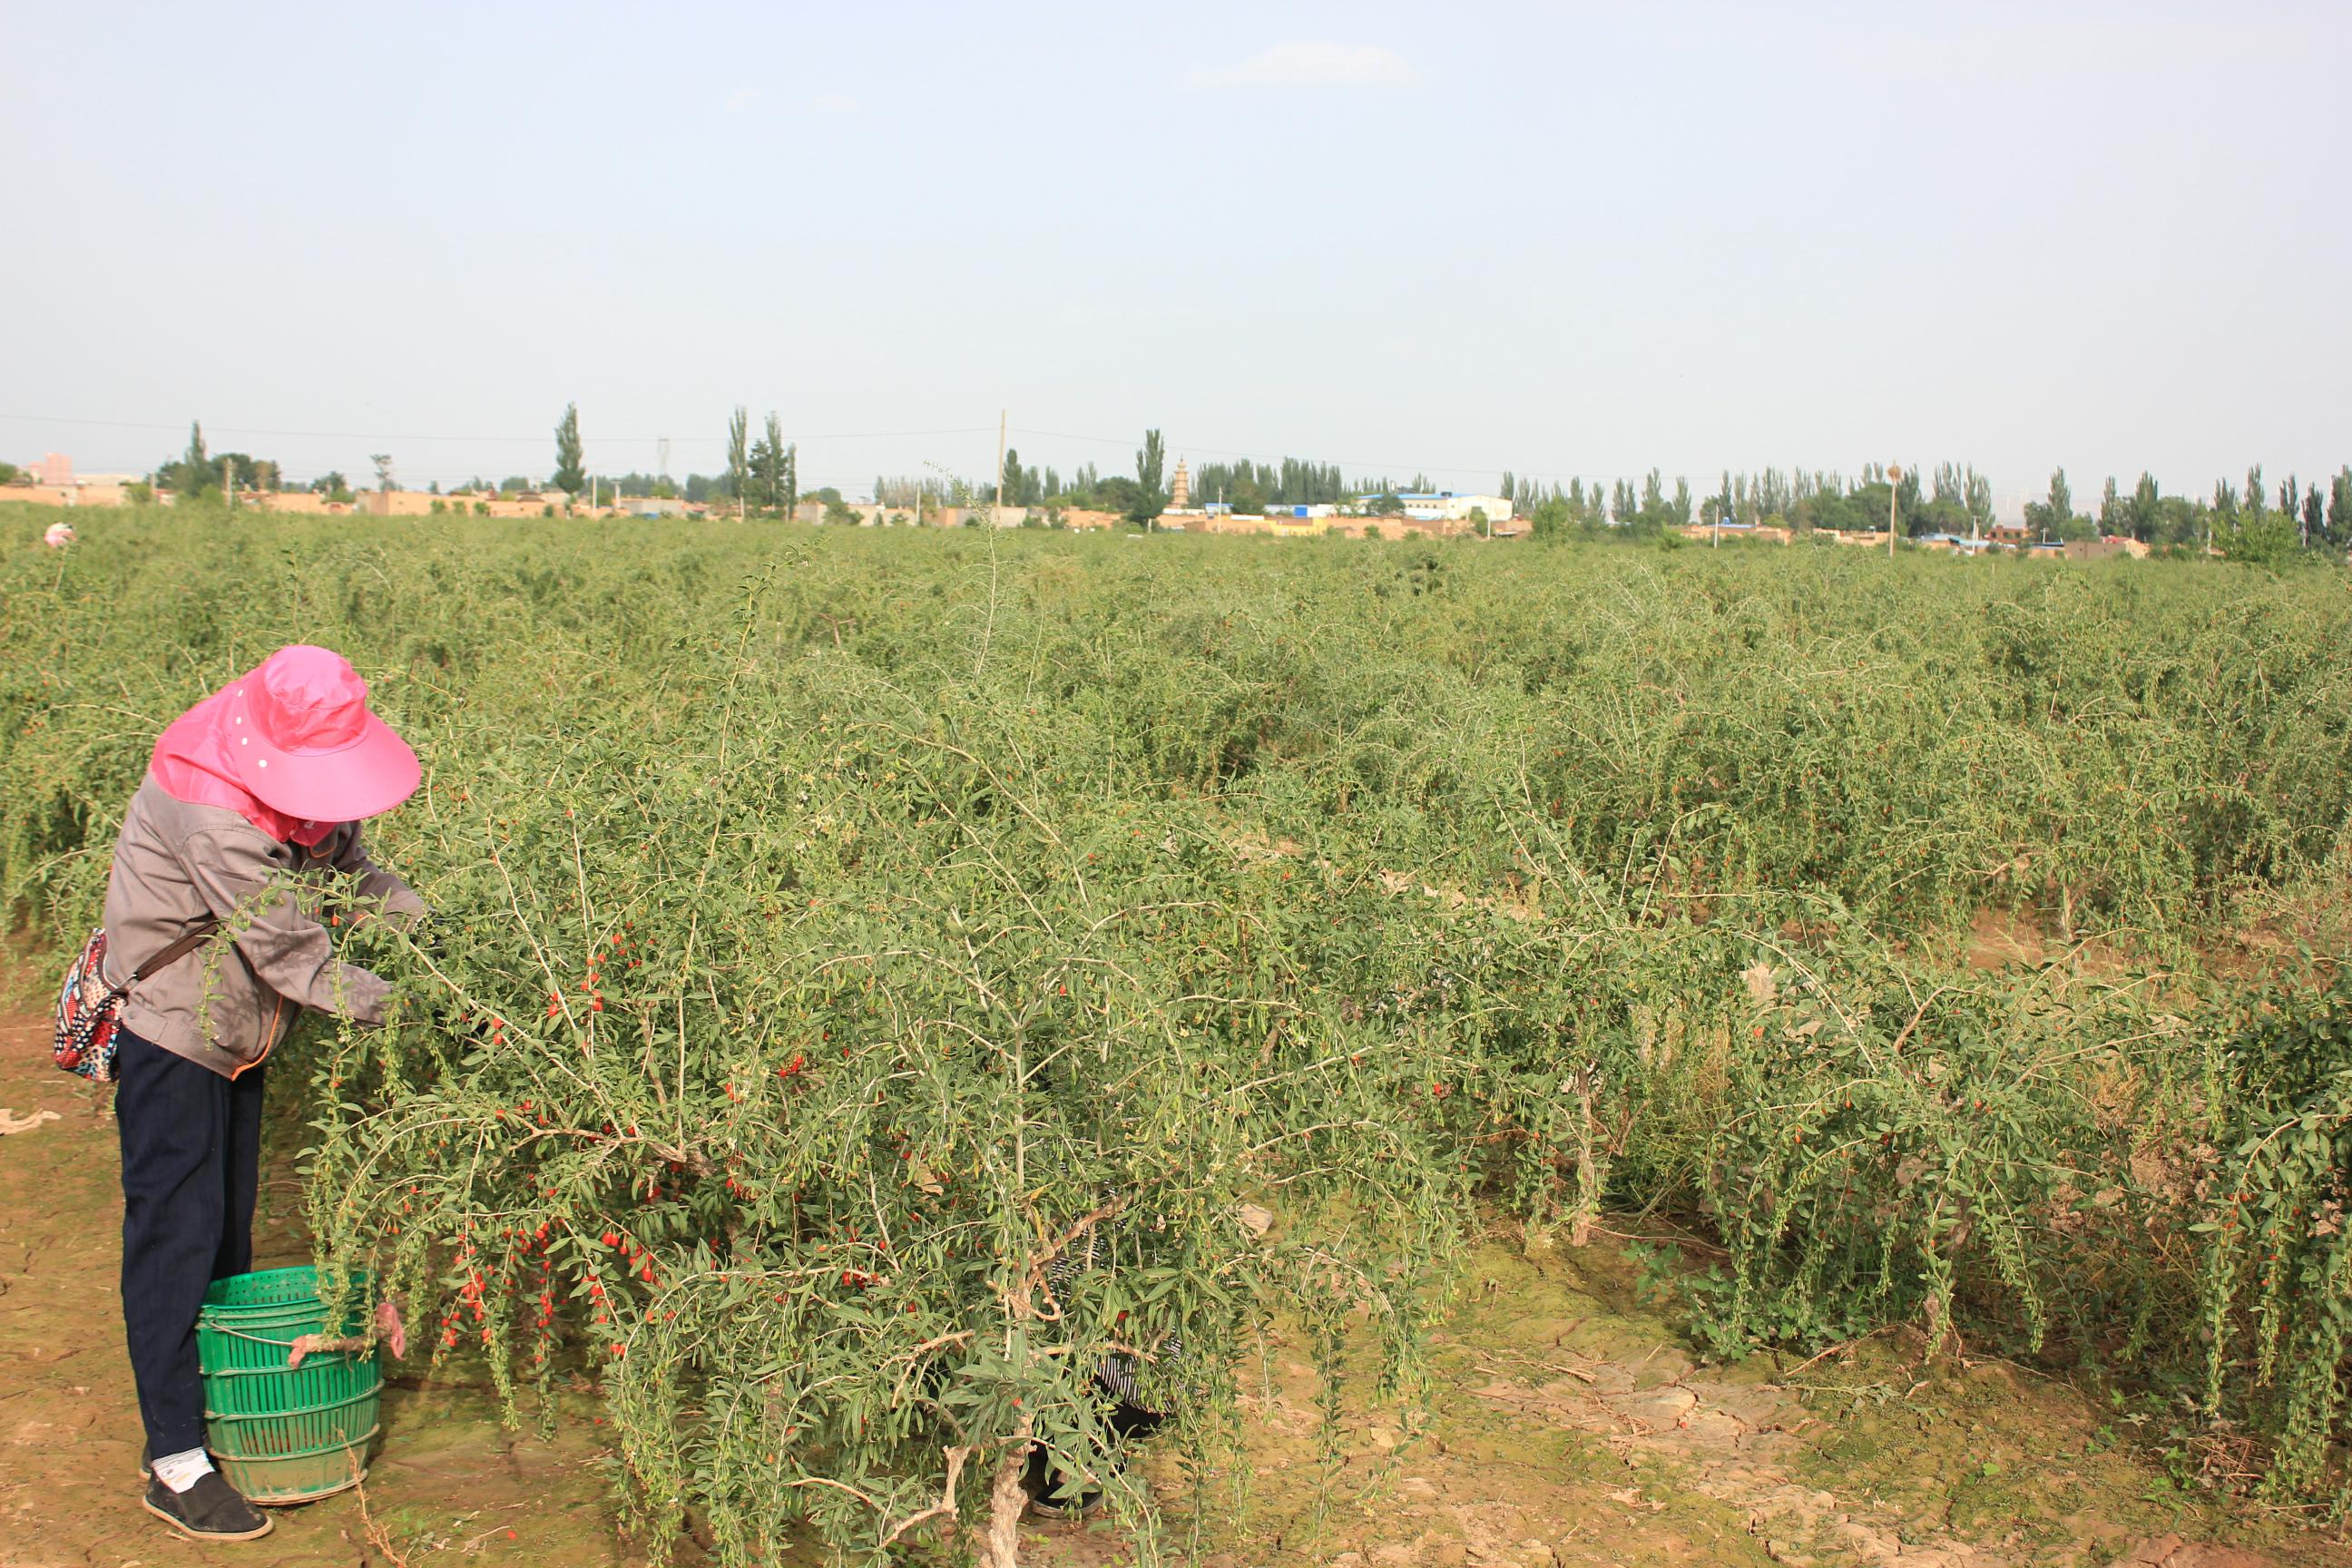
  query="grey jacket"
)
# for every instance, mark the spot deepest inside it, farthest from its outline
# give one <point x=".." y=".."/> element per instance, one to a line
<point x="226" y="1004"/>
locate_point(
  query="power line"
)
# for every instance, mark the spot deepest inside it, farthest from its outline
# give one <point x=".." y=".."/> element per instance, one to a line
<point x="588" y="440"/>
<point x="1363" y="464"/>
<point x="299" y="478"/>
<point x="380" y="436"/>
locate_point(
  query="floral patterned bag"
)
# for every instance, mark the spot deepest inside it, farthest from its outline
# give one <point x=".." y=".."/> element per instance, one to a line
<point x="89" y="1010"/>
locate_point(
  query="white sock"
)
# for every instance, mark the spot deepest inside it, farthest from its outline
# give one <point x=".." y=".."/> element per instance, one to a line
<point x="181" y="1471"/>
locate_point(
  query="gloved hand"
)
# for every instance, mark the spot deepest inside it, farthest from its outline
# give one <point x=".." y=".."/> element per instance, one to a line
<point x="389" y="1326"/>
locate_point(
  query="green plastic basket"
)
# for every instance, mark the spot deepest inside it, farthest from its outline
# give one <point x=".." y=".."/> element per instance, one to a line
<point x="299" y="1478"/>
<point x="292" y="1433"/>
<point x="249" y="1321"/>
<point x="328" y="1378"/>
<point x="260" y="1347"/>
<point x="240" y="1295"/>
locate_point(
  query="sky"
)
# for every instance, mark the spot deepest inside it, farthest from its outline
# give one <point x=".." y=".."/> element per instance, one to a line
<point x="1563" y="239"/>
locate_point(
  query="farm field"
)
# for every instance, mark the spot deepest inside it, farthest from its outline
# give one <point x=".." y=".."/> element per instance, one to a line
<point x="1845" y="1052"/>
<point x="1518" y="1460"/>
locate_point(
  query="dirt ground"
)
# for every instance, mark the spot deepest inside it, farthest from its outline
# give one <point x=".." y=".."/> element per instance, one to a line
<point x="1569" y="1427"/>
<point x="448" y="1478"/>
<point x="1565" y="1425"/>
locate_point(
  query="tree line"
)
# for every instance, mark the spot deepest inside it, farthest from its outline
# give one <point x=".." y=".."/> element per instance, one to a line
<point x="1955" y="499"/>
<point x="2248" y="520"/>
<point x="1246" y="486"/>
<point x="1140" y="499"/>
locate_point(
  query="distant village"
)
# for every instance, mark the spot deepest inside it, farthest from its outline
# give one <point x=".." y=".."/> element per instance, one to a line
<point x="1429" y="514"/>
<point x="53" y="481"/>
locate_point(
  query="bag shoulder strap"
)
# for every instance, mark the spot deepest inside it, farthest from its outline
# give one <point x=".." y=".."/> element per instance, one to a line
<point x="172" y="954"/>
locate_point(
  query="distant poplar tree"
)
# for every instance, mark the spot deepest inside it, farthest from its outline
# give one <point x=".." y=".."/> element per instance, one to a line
<point x="2052" y="519"/>
<point x="739" y="456"/>
<point x="568" y="476"/>
<point x="2144" y="508"/>
<point x="1980" y="498"/>
<point x="764" y="463"/>
<point x="194" y="474"/>
<point x="1150" y="460"/>
<point x="775" y="470"/>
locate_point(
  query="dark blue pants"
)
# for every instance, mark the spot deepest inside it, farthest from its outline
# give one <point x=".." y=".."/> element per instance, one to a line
<point x="191" y="1162"/>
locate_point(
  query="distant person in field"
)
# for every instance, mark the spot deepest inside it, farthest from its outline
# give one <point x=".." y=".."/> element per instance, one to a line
<point x="262" y="784"/>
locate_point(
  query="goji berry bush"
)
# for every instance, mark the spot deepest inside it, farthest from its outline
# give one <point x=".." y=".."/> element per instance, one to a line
<point x="876" y="978"/>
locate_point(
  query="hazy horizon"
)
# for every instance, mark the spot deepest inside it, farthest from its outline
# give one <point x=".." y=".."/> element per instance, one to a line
<point x="1565" y="241"/>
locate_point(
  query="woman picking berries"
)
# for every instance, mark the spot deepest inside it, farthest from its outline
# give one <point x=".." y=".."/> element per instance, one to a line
<point x="258" y="788"/>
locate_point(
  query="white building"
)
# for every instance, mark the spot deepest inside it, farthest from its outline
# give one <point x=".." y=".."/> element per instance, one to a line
<point x="1445" y="506"/>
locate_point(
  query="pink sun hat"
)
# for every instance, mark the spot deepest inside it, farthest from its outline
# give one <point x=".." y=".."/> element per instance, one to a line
<point x="300" y="738"/>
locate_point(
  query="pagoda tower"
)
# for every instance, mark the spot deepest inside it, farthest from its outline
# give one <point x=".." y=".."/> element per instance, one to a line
<point x="1180" y="488"/>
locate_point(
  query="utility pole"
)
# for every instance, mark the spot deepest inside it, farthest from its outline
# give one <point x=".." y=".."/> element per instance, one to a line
<point x="1894" y="494"/>
<point x="996" y="516"/>
<point x="228" y="481"/>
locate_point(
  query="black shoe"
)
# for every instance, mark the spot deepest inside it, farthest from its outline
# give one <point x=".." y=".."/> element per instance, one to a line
<point x="1086" y="1505"/>
<point x="1075" y="1499"/>
<point x="209" y="1511"/>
